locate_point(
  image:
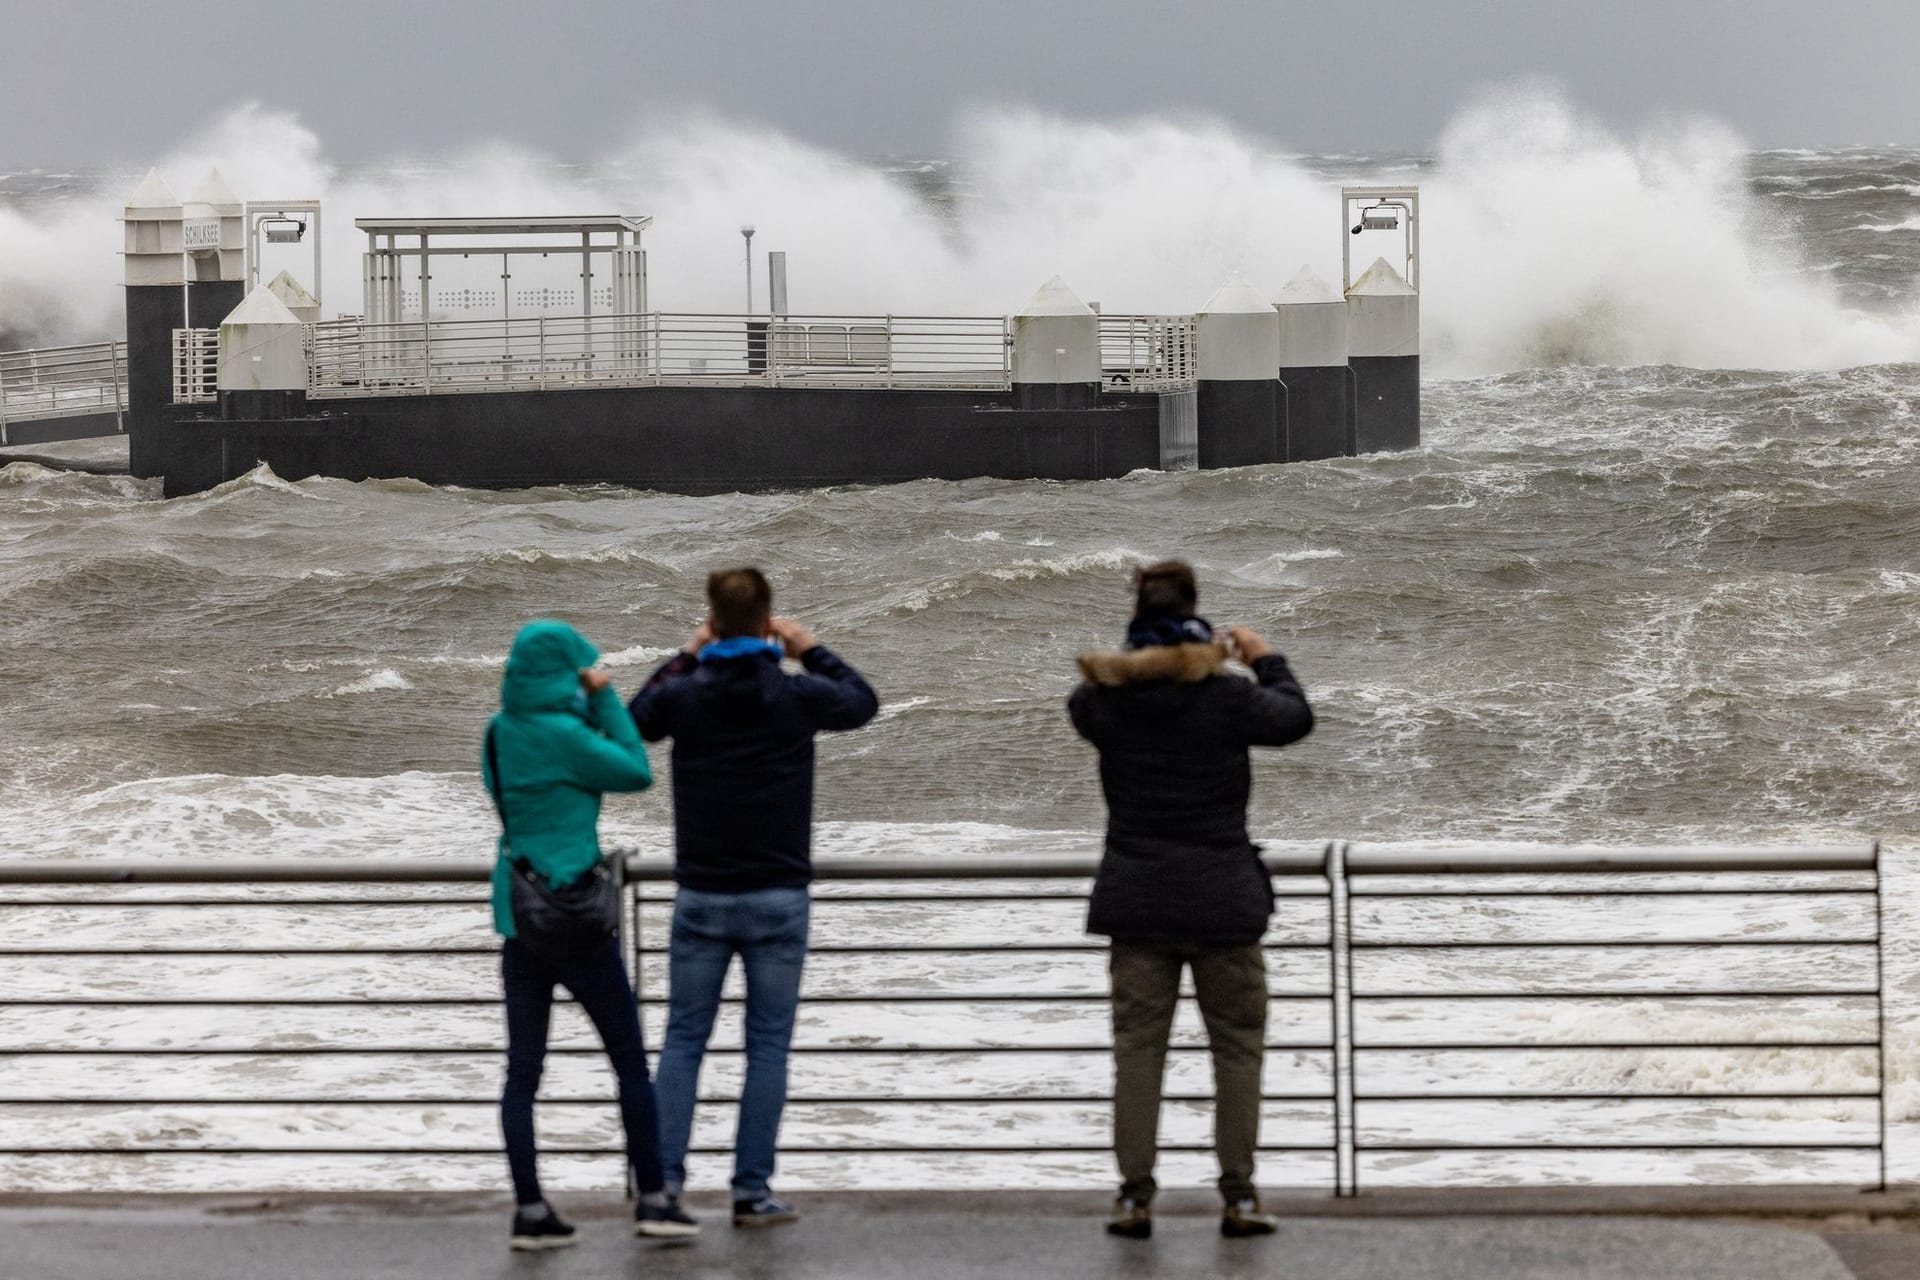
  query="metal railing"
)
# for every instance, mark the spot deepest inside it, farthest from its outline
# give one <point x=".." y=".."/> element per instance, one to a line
<point x="1146" y="353"/>
<point x="354" y="358"/>
<point x="196" y="366"/>
<point x="1466" y="1016"/>
<point x="63" y="382"/>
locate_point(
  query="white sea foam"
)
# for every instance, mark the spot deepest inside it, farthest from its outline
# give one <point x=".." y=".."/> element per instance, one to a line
<point x="634" y="655"/>
<point x="385" y="680"/>
<point x="1108" y="560"/>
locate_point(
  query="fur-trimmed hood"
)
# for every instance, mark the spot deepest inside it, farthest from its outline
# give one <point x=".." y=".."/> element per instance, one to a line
<point x="1181" y="663"/>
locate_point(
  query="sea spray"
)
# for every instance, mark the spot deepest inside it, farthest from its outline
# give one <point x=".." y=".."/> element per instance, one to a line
<point x="1549" y="239"/>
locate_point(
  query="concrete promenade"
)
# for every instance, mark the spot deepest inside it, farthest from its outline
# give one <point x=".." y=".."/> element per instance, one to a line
<point x="1654" y="1235"/>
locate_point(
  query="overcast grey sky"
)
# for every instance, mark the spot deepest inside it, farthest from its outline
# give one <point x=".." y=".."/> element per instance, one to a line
<point x="94" y="81"/>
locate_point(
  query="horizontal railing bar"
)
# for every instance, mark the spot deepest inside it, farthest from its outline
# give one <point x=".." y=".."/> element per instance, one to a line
<point x="926" y="949"/>
<point x="23" y="356"/>
<point x="1584" y="1046"/>
<point x="1387" y="860"/>
<point x="1763" y="994"/>
<point x="702" y="1149"/>
<point x="320" y="1051"/>
<point x="1617" y="1096"/>
<point x="1607" y="943"/>
<point x="376" y="871"/>
<point x="1362" y="860"/>
<point x="438" y="1002"/>
<point x="1363" y="1145"/>
<point x="123" y="903"/>
<point x="1611" y="891"/>
<point x="718" y="1100"/>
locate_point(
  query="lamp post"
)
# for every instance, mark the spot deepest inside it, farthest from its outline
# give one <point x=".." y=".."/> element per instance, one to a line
<point x="746" y="232"/>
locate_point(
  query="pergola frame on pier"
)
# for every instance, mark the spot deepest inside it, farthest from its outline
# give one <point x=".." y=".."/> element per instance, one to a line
<point x="391" y="241"/>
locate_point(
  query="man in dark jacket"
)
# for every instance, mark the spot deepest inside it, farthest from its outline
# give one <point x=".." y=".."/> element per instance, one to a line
<point x="1181" y="884"/>
<point x="742" y="731"/>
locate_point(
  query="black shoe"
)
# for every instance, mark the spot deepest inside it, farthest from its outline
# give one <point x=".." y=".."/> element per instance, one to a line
<point x="546" y="1231"/>
<point x="1243" y="1218"/>
<point x="1131" y="1220"/>
<point x="664" y="1221"/>
<point x="764" y="1212"/>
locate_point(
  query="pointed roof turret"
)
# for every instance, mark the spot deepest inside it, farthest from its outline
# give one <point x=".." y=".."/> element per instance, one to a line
<point x="153" y="195"/>
<point x="1380" y="280"/>
<point x="1054" y="298"/>
<point x="292" y="293"/>
<point x="261" y="306"/>
<point x="1236" y="297"/>
<point x="1308" y="286"/>
<point x="213" y="190"/>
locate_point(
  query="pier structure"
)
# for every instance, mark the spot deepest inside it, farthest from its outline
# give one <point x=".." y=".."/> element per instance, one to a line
<point x="471" y="362"/>
<point x="1314" y="376"/>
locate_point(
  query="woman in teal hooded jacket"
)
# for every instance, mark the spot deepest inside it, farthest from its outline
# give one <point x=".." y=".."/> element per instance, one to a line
<point x="562" y="739"/>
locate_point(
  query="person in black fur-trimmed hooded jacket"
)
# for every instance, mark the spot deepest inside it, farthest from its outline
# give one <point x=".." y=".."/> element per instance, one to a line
<point x="1181" y="884"/>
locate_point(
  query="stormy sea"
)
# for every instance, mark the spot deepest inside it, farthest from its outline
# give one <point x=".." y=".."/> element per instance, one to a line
<point x="1652" y="578"/>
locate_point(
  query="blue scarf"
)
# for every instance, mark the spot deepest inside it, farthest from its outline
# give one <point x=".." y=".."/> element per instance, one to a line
<point x="1146" y="633"/>
<point x="739" y="647"/>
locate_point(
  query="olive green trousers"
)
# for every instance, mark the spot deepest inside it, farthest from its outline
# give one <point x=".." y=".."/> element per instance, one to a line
<point x="1231" y="983"/>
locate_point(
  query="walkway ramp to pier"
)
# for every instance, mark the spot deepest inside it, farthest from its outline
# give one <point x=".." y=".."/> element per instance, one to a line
<point x="63" y="393"/>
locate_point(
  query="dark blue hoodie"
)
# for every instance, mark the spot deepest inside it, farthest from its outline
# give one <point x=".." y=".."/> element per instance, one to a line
<point x="742" y="733"/>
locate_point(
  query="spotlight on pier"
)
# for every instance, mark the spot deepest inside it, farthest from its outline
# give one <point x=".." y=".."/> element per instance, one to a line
<point x="284" y="230"/>
<point x="1378" y="217"/>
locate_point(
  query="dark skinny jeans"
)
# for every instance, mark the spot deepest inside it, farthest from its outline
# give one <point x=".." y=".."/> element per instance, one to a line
<point x="606" y="997"/>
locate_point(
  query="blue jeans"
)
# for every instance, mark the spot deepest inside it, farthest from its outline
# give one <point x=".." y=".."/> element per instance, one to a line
<point x="606" y="997"/>
<point x="767" y="929"/>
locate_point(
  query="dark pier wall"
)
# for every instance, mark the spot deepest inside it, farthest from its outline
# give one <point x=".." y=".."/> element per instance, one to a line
<point x="153" y="313"/>
<point x="91" y="426"/>
<point x="1319" y="412"/>
<point x="1386" y="403"/>
<point x="1242" y="423"/>
<point x="678" y="439"/>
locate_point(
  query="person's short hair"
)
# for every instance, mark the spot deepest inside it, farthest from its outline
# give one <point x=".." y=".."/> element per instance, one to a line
<point x="1165" y="590"/>
<point x="741" y="602"/>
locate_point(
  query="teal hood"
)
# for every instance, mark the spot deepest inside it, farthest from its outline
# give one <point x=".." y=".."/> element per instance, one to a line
<point x="543" y="671"/>
<point x="555" y="751"/>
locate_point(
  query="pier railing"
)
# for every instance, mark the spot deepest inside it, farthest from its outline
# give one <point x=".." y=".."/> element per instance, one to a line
<point x="63" y="382"/>
<point x="1437" y="1017"/>
<point x="350" y="357"/>
<point x="196" y="366"/>
<point x="353" y="358"/>
<point x="1147" y="353"/>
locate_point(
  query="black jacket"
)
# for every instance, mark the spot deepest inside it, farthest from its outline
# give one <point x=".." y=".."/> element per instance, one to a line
<point x="742" y="733"/>
<point x="1173" y="731"/>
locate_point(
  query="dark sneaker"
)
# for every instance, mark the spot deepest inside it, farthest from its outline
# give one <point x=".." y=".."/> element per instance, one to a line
<point x="664" y="1221"/>
<point x="1132" y="1219"/>
<point x="764" y="1212"/>
<point x="1244" y="1218"/>
<point x="545" y="1231"/>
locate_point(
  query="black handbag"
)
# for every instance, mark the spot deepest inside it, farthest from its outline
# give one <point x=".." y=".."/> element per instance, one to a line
<point x="563" y="923"/>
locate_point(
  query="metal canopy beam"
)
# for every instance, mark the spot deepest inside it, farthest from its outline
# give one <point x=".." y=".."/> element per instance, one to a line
<point x="631" y="223"/>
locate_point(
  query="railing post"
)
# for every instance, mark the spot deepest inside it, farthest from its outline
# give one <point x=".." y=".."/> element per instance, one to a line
<point x="3" y="403"/>
<point x="1346" y="1158"/>
<point x="542" y="353"/>
<point x="889" y="352"/>
<point x="1880" y="1005"/>
<point x="627" y="941"/>
<point x="119" y="396"/>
